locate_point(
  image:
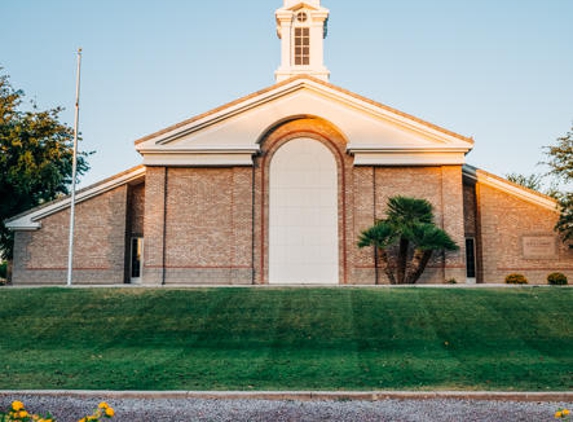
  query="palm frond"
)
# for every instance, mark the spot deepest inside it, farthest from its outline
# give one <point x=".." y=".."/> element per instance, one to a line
<point x="405" y="211"/>
<point x="430" y="237"/>
<point x="380" y="235"/>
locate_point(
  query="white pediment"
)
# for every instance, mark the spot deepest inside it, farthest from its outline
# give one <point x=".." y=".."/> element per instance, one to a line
<point x="376" y="134"/>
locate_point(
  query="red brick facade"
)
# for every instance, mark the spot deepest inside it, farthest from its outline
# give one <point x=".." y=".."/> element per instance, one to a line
<point x="505" y="223"/>
<point x="209" y="224"/>
<point x="40" y="257"/>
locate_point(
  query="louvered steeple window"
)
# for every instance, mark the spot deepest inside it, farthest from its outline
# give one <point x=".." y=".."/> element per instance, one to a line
<point x="302" y="46"/>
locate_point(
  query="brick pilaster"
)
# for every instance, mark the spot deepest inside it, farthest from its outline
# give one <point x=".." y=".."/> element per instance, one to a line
<point x="154" y="225"/>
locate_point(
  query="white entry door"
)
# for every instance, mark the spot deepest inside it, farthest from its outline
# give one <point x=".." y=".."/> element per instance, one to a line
<point x="303" y="214"/>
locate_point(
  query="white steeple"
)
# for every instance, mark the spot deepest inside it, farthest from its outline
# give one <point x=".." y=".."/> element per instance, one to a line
<point x="302" y="27"/>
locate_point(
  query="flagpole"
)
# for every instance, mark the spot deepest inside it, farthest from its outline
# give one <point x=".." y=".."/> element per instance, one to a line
<point x="74" y="170"/>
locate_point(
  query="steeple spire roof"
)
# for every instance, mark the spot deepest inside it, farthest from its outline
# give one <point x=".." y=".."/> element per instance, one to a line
<point x="291" y="3"/>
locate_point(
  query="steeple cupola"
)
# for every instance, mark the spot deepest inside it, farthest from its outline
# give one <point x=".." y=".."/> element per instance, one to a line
<point x="302" y="28"/>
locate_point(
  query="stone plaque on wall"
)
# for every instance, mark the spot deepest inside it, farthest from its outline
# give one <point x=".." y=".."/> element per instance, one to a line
<point x="540" y="247"/>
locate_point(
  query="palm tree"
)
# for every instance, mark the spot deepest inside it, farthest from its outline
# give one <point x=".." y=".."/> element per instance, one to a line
<point x="406" y="239"/>
<point x="427" y="238"/>
<point x="404" y="214"/>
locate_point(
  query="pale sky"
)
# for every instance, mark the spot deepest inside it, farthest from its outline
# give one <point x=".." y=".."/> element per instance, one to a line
<point x="498" y="70"/>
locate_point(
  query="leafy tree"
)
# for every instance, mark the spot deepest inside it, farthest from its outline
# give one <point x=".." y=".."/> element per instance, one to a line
<point x="532" y="181"/>
<point x="565" y="223"/>
<point x="36" y="153"/>
<point x="561" y="157"/>
<point x="406" y="239"/>
<point x="561" y="166"/>
<point x="536" y="182"/>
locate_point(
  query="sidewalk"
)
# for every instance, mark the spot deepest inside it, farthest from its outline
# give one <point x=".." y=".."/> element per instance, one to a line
<point x="550" y="396"/>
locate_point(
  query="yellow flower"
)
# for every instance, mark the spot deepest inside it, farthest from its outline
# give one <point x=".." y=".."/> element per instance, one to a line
<point x="565" y="412"/>
<point x="558" y="415"/>
<point x="103" y="405"/>
<point x="22" y="414"/>
<point x="109" y="412"/>
<point x="17" y="405"/>
<point x="83" y="420"/>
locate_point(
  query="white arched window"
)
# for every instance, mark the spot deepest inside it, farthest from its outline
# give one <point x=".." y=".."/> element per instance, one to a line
<point x="303" y="214"/>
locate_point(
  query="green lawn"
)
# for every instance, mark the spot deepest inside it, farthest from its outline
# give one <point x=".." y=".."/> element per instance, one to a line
<point x="285" y="339"/>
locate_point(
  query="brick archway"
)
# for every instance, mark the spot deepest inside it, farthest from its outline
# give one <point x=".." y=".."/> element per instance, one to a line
<point x="331" y="139"/>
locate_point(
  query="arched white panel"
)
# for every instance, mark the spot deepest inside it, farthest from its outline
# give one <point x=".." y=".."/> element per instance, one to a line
<point x="303" y="214"/>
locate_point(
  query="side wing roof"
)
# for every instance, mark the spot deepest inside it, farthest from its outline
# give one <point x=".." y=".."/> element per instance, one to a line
<point x="30" y="220"/>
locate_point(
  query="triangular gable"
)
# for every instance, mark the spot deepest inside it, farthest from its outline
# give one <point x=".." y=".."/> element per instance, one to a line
<point x="376" y="133"/>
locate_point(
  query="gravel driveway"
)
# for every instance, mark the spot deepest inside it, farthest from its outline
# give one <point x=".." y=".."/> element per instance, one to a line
<point x="71" y="409"/>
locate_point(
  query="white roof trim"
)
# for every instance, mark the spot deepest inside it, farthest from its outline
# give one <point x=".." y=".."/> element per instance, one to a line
<point x="218" y="116"/>
<point x="514" y="189"/>
<point x="415" y="149"/>
<point x="29" y="220"/>
<point x="202" y="156"/>
<point x="200" y="149"/>
<point x="401" y="159"/>
<point x="407" y="156"/>
<point x="380" y="112"/>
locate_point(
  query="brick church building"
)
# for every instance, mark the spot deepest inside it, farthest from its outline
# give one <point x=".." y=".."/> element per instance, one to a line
<point x="275" y="187"/>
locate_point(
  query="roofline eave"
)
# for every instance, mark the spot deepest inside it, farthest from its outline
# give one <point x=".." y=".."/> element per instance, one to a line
<point x="28" y="220"/>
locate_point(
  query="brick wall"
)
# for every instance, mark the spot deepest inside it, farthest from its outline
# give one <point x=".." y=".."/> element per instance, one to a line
<point x="205" y="226"/>
<point x="136" y="211"/>
<point x="441" y="186"/>
<point x="453" y="222"/>
<point x="417" y="182"/>
<point x="209" y="226"/>
<point x="470" y="209"/>
<point x="365" y="214"/>
<point x="41" y="256"/>
<point x="153" y="225"/>
<point x="505" y="220"/>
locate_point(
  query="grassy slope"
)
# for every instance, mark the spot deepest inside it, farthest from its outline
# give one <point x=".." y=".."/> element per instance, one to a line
<point x="508" y="339"/>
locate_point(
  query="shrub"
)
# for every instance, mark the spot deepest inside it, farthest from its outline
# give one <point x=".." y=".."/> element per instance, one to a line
<point x="557" y="279"/>
<point x="451" y="281"/>
<point x="3" y="269"/>
<point x="515" y="279"/>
